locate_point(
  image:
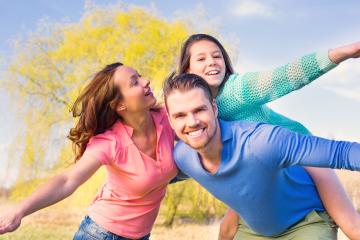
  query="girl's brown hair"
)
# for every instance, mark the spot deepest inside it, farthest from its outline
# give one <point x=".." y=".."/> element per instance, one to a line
<point x="95" y="108"/>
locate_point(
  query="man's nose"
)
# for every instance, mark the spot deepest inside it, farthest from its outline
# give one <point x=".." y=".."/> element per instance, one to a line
<point x="192" y="120"/>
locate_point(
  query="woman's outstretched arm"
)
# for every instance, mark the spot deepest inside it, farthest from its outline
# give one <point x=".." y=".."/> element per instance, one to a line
<point x="55" y="190"/>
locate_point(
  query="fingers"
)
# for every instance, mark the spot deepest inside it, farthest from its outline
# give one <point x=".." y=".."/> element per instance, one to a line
<point x="9" y="224"/>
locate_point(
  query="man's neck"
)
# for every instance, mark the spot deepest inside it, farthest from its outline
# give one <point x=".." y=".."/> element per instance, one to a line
<point x="210" y="155"/>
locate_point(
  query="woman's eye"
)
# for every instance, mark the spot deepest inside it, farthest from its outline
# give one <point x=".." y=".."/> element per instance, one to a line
<point x="134" y="83"/>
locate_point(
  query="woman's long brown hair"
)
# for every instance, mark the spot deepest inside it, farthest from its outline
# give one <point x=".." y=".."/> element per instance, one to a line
<point x="95" y="108"/>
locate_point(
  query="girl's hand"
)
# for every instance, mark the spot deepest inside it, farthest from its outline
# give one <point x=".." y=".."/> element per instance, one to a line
<point x="337" y="55"/>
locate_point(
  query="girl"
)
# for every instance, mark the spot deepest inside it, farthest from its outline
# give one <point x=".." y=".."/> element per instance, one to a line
<point x="243" y="97"/>
<point x="119" y="128"/>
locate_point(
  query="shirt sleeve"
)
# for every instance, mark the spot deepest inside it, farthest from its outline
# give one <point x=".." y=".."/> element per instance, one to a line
<point x="286" y="148"/>
<point x="179" y="177"/>
<point x="101" y="147"/>
<point x="258" y="88"/>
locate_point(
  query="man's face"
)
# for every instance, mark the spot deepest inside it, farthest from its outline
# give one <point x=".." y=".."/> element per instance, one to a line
<point x="193" y="117"/>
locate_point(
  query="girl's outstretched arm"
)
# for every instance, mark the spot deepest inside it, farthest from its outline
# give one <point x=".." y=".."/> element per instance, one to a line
<point x="55" y="190"/>
<point x="258" y="88"/>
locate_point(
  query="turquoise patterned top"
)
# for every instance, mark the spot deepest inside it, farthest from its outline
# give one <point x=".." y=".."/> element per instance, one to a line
<point x="244" y="96"/>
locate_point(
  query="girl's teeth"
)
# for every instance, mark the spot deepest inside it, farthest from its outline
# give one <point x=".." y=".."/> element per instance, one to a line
<point x="213" y="73"/>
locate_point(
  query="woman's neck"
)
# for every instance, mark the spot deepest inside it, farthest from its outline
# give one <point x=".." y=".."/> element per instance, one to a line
<point x="141" y="123"/>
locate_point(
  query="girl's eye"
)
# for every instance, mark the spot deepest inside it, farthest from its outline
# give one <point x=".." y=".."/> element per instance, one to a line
<point x="201" y="59"/>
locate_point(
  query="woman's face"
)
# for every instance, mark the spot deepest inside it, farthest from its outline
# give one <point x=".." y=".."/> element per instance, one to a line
<point x="207" y="61"/>
<point x="135" y="90"/>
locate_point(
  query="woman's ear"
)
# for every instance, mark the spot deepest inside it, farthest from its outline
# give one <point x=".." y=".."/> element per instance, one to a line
<point x="117" y="106"/>
<point x="120" y="107"/>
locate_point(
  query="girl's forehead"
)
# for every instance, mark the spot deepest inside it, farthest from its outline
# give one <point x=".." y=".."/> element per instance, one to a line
<point x="203" y="46"/>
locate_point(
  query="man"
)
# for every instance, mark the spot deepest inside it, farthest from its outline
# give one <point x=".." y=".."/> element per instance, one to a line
<point x="250" y="166"/>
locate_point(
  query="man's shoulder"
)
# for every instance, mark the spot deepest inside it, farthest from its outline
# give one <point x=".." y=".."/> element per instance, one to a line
<point x="240" y="126"/>
<point x="182" y="150"/>
<point x="245" y="132"/>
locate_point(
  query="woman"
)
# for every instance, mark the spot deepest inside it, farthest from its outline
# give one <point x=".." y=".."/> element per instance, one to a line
<point x="118" y="127"/>
<point x="243" y="96"/>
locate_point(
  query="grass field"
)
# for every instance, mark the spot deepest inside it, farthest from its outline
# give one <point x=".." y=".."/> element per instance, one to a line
<point x="56" y="223"/>
<point x="60" y="223"/>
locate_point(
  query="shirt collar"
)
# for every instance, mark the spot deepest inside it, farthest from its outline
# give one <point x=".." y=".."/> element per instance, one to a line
<point x="226" y="130"/>
<point x="126" y="131"/>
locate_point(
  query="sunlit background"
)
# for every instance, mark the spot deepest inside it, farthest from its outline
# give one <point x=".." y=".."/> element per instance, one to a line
<point x="260" y="35"/>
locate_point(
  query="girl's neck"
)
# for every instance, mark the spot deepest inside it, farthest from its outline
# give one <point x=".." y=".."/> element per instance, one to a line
<point x="214" y="91"/>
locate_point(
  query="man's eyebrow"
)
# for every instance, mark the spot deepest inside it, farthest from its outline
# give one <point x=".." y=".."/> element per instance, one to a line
<point x="177" y="114"/>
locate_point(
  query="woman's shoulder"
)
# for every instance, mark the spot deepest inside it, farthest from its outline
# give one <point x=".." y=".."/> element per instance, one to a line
<point x="103" y="138"/>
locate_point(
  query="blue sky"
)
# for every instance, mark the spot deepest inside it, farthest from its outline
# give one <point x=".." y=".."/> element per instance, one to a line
<point x="267" y="33"/>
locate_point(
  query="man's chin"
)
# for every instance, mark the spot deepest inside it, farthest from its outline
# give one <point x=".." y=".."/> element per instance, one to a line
<point x="197" y="146"/>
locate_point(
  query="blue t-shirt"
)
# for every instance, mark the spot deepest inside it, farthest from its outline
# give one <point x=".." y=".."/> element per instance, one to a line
<point x="257" y="177"/>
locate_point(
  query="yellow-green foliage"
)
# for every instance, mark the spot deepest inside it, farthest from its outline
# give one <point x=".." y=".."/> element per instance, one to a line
<point x="188" y="199"/>
<point x="52" y="65"/>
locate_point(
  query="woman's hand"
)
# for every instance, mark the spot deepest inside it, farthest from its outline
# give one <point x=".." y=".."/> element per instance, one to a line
<point x="10" y="221"/>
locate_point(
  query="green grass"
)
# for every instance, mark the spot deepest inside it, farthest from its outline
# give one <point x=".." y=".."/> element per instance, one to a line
<point x="31" y="232"/>
<point x="53" y="223"/>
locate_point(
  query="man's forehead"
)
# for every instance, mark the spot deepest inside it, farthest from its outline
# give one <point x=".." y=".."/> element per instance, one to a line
<point x="183" y="95"/>
<point x="185" y="100"/>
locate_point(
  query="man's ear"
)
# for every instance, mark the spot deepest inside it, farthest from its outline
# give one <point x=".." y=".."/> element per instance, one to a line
<point x="168" y="116"/>
<point x="215" y="108"/>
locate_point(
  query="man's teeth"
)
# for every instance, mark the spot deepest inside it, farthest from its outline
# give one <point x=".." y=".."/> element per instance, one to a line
<point x="195" y="133"/>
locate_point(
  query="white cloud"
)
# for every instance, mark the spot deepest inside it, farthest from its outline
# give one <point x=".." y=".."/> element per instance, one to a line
<point x="345" y="80"/>
<point x="248" y="8"/>
<point x="198" y="18"/>
<point x="353" y="93"/>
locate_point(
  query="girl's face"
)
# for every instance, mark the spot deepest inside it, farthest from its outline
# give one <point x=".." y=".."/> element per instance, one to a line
<point x="207" y="61"/>
<point x="135" y="90"/>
